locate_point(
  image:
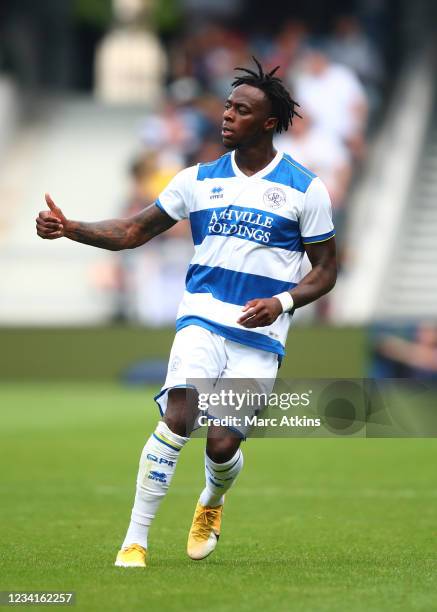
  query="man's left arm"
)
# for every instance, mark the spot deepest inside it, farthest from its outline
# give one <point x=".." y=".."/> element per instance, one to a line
<point x="319" y="281"/>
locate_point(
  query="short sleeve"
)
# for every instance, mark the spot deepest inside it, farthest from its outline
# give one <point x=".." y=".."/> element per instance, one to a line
<point x="176" y="198"/>
<point x="316" y="217"/>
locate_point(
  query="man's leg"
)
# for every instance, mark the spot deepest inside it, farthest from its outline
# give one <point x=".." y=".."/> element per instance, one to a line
<point x="157" y="466"/>
<point x="223" y="463"/>
<point x="246" y="369"/>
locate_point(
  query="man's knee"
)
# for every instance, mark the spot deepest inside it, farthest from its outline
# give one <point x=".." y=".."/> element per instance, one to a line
<point x="179" y="415"/>
<point x="222" y="449"/>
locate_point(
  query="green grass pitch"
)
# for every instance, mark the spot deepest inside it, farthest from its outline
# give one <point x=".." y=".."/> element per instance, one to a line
<point x="328" y="524"/>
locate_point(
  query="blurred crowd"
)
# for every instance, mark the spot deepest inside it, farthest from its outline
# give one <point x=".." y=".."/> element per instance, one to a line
<point x="404" y="351"/>
<point x="338" y="80"/>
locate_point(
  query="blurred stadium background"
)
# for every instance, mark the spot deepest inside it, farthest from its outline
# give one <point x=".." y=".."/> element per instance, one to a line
<point x="101" y="102"/>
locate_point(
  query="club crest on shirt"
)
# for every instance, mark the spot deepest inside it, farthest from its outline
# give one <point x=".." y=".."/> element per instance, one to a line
<point x="274" y="197"/>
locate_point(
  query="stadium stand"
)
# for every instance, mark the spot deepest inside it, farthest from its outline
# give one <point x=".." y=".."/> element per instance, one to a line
<point x="387" y="271"/>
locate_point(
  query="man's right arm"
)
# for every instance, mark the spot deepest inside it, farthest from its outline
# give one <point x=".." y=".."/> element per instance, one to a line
<point x="113" y="234"/>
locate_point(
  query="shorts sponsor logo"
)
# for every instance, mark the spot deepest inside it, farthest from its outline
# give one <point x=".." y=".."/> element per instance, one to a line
<point x="158" y="476"/>
<point x="274" y="197"/>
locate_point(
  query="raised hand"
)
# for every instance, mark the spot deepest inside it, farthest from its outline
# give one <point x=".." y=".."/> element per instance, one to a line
<point x="51" y="224"/>
<point x="112" y="234"/>
<point x="259" y="313"/>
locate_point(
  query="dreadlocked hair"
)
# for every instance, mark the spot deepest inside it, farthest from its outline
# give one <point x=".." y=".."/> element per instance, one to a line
<point x="283" y="105"/>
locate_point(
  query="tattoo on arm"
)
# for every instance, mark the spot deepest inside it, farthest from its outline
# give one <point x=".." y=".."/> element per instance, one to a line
<point x="118" y="234"/>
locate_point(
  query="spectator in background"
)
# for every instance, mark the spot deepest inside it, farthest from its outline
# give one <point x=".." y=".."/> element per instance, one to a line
<point x="396" y="356"/>
<point x="209" y="151"/>
<point x="170" y="135"/>
<point x="148" y="178"/>
<point x="349" y="46"/>
<point x="287" y="46"/>
<point x="130" y="63"/>
<point x="177" y="132"/>
<point x="333" y="97"/>
<point x="211" y="54"/>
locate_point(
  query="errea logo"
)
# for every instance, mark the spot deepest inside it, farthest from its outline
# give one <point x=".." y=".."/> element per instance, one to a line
<point x="216" y="193"/>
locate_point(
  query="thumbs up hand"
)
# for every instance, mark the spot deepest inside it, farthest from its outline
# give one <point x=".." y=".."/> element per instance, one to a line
<point x="51" y="224"/>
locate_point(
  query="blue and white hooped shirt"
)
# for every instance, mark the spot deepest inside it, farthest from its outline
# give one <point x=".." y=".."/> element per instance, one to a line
<point x="249" y="234"/>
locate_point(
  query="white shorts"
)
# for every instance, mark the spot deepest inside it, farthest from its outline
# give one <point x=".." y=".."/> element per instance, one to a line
<point x="198" y="353"/>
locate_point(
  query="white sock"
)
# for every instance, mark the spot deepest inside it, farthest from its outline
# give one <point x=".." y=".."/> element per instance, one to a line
<point x="219" y="477"/>
<point x="157" y="465"/>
